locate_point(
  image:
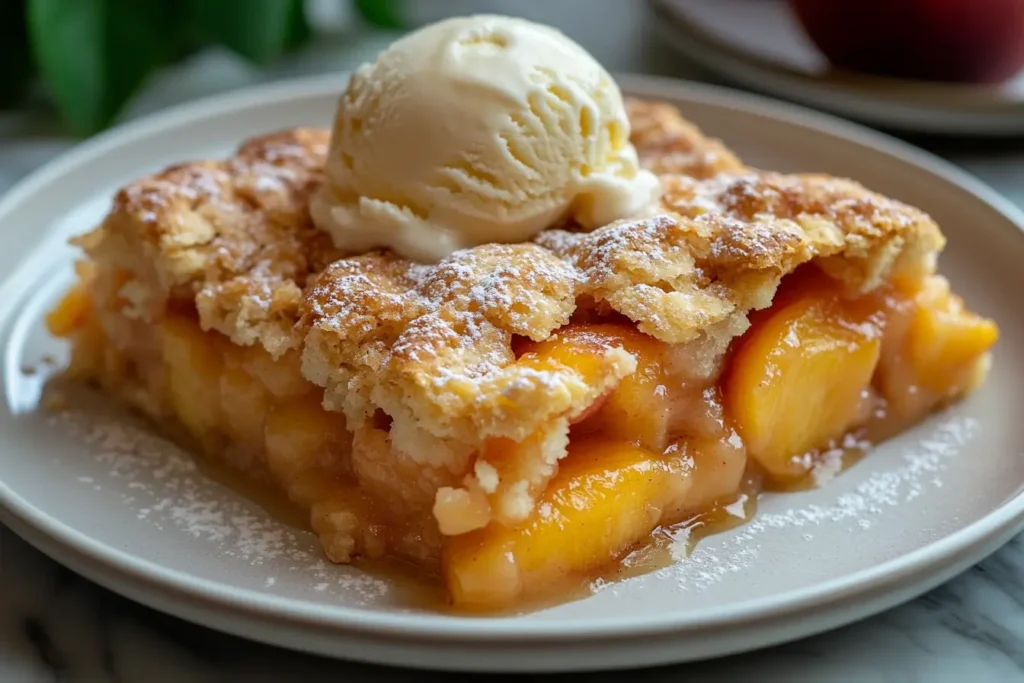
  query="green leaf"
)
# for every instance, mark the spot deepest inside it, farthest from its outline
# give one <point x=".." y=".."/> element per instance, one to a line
<point x="382" y="13"/>
<point x="299" y="31"/>
<point x="15" y="59"/>
<point x="259" y="30"/>
<point x="94" y="54"/>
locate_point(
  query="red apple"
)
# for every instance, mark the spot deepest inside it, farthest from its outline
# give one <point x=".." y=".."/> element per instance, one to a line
<point x="980" y="41"/>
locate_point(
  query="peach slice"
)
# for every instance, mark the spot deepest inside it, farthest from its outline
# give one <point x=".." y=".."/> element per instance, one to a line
<point x="282" y="376"/>
<point x="605" y="499"/>
<point x="799" y="377"/>
<point x="715" y="467"/>
<point x="945" y="339"/>
<point x="638" y="409"/>
<point x="936" y="351"/>
<point x="193" y="366"/>
<point x="244" y="404"/>
<point x="580" y="347"/>
<point x="301" y="436"/>
<point x="71" y="312"/>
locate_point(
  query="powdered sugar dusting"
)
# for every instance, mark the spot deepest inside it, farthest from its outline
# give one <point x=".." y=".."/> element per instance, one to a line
<point x="165" y="489"/>
<point x="860" y="510"/>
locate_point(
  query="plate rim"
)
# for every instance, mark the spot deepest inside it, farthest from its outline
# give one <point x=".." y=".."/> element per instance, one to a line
<point x="435" y="627"/>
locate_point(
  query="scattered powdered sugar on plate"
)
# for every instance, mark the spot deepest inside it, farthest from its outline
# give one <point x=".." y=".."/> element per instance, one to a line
<point x="859" y="509"/>
<point x="165" y="488"/>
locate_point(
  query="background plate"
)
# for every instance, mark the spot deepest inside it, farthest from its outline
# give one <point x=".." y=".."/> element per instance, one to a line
<point x="100" y="494"/>
<point x="761" y="45"/>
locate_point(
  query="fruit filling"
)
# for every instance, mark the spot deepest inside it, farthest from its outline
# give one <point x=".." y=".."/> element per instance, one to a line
<point x="660" y="447"/>
<point x="659" y="450"/>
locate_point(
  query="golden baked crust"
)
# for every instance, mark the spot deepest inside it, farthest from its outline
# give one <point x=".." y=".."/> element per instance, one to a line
<point x="723" y="244"/>
<point x="432" y="345"/>
<point x="668" y="143"/>
<point x="232" y="236"/>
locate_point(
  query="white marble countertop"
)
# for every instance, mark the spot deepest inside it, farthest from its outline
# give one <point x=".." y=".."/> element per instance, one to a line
<point x="56" y="626"/>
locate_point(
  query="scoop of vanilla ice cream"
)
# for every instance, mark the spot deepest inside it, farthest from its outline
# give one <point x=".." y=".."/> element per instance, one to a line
<point x="474" y="130"/>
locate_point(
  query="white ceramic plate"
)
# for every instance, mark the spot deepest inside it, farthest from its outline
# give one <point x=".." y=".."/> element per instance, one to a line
<point x="126" y="509"/>
<point x="761" y="45"/>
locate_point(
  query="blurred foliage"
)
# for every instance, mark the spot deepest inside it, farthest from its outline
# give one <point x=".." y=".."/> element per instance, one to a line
<point x="382" y="13"/>
<point x="15" y="60"/>
<point x="93" y="55"/>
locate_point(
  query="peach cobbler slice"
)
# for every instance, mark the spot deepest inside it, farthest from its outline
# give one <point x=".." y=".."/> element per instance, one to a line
<point x="517" y="417"/>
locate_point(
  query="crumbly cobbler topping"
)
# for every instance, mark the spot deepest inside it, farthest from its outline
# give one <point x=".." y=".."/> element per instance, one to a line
<point x="231" y="237"/>
<point x="432" y="345"/>
<point x="668" y="143"/>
